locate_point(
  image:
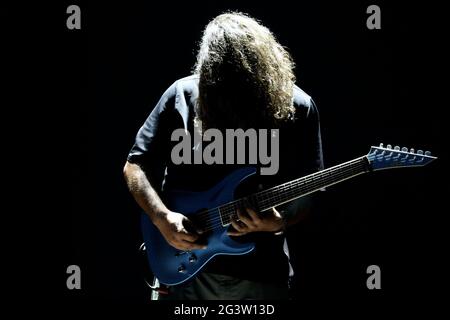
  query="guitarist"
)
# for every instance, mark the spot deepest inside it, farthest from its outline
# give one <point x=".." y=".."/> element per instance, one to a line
<point x="243" y="78"/>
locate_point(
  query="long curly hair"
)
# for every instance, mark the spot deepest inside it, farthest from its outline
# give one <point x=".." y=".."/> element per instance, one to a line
<point x="246" y="77"/>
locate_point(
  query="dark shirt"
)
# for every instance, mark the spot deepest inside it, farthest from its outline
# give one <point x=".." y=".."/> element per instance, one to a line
<point x="300" y="153"/>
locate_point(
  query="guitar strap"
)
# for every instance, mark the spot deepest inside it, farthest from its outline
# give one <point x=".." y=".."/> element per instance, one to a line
<point x="158" y="289"/>
<point x="286" y="252"/>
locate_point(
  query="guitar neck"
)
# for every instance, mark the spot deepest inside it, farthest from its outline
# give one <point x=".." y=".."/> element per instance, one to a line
<point x="300" y="187"/>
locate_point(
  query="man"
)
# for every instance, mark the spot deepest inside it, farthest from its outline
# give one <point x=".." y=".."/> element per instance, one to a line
<point x="244" y="79"/>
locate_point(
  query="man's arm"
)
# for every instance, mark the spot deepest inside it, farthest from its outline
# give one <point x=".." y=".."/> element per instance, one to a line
<point x="172" y="225"/>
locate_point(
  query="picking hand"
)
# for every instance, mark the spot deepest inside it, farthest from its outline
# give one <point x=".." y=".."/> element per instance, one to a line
<point x="172" y="226"/>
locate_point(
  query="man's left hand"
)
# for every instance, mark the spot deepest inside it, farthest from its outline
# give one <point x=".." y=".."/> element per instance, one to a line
<point x="250" y="221"/>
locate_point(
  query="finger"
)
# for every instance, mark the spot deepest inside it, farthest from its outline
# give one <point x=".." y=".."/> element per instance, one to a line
<point x="191" y="227"/>
<point x="238" y="227"/>
<point x="253" y="215"/>
<point x="191" y="246"/>
<point x="246" y="219"/>
<point x="188" y="236"/>
<point x="235" y="233"/>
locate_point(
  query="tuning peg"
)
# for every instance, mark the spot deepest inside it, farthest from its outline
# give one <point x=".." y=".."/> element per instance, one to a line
<point x="420" y="152"/>
<point x="427" y="153"/>
<point x="411" y="150"/>
<point x="389" y="146"/>
<point x="381" y="145"/>
<point x="405" y="149"/>
<point x="396" y="148"/>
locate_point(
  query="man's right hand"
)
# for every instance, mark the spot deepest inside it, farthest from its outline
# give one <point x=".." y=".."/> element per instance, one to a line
<point x="172" y="226"/>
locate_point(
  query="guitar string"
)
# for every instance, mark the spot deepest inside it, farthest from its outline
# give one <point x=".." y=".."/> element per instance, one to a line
<point x="293" y="192"/>
<point x="288" y="184"/>
<point x="325" y="174"/>
<point x="268" y="192"/>
<point x="286" y="197"/>
<point x="212" y="223"/>
<point x="218" y="222"/>
<point x="322" y="172"/>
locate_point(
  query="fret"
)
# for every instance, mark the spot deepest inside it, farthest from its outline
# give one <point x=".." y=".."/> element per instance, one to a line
<point x="302" y="186"/>
<point x="297" y="188"/>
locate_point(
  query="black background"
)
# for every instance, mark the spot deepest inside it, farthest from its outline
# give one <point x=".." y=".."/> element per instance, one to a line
<point x="370" y="86"/>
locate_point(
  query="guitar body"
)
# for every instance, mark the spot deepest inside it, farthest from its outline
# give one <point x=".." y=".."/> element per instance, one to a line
<point x="172" y="266"/>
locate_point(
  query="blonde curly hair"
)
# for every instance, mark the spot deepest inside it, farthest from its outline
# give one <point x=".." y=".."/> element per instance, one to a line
<point x="246" y="77"/>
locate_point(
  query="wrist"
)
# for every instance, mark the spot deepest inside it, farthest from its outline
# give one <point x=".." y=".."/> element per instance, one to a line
<point x="160" y="216"/>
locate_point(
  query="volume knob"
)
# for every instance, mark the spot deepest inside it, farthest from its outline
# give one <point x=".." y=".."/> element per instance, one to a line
<point x="192" y="258"/>
<point x="181" y="269"/>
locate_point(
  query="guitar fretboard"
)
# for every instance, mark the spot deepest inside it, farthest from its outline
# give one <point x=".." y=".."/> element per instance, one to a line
<point x="297" y="188"/>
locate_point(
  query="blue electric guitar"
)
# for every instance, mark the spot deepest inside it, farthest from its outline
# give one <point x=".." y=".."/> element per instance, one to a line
<point x="214" y="209"/>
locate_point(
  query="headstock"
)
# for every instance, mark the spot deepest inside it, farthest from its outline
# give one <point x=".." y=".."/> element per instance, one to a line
<point x="395" y="157"/>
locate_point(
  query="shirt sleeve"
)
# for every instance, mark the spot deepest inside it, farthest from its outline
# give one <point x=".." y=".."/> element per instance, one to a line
<point x="311" y="156"/>
<point x="151" y="143"/>
<point x="315" y="142"/>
